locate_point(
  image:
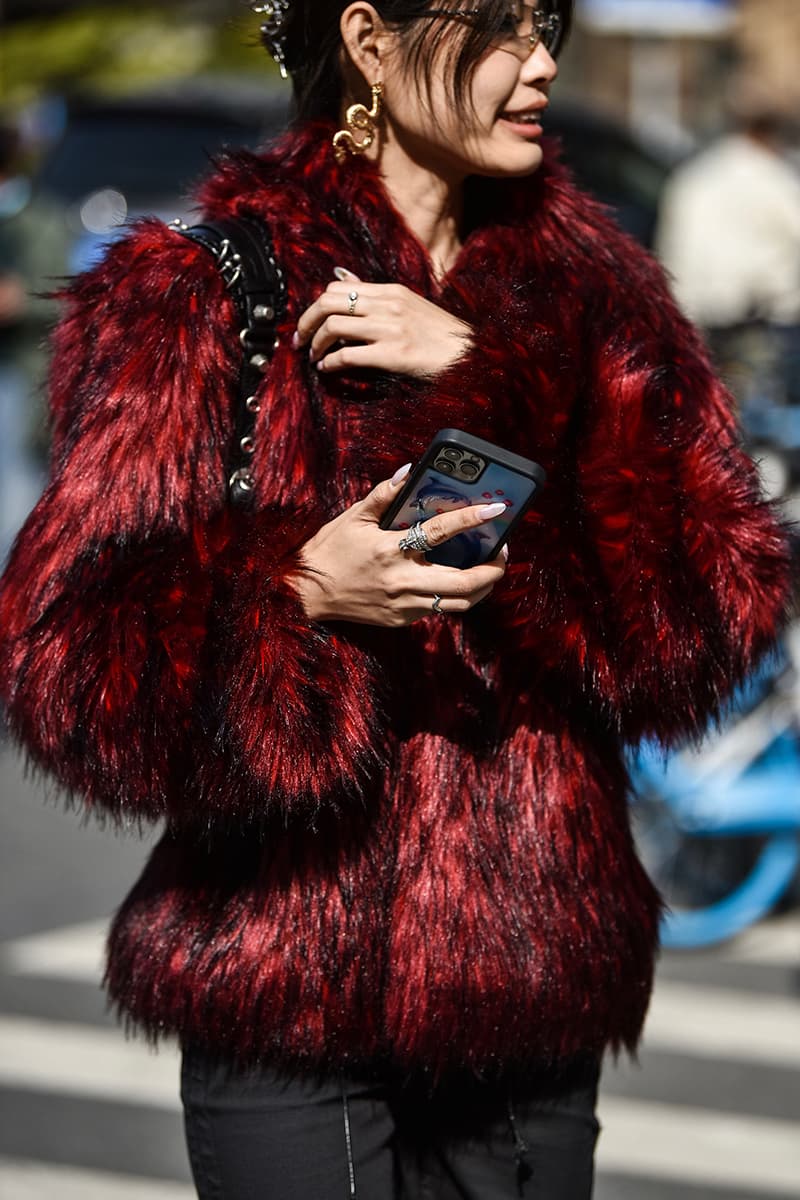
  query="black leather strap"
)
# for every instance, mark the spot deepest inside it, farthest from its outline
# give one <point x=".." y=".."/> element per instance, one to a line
<point x="246" y="260"/>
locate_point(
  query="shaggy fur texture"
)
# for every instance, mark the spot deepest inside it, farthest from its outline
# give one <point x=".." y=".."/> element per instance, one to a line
<point x="400" y="845"/>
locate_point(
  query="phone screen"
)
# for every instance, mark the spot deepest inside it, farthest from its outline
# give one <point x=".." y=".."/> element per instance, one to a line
<point x="436" y="492"/>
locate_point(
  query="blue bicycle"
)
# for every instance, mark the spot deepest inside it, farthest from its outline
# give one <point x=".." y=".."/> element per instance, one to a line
<point x="718" y="828"/>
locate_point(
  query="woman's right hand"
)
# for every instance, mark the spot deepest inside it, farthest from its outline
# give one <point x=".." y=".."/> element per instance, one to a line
<point x="356" y="571"/>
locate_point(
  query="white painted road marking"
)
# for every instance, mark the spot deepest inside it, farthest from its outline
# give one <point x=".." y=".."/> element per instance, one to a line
<point x="76" y="951"/>
<point x="685" y="1018"/>
<point x="79" y="1060"/>
<point x="772" y="943"/>
<point x="23" y="1180"/>
<point x="676" y="1144"/>
<point x="713" y="1022"/>
<point x="694" y="1146"/>
<point x="73" y="952"/>
<point x="640" y="1137"/>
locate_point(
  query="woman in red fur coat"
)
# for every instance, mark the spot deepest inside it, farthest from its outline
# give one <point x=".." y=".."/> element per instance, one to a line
<point x="395" y="916"/>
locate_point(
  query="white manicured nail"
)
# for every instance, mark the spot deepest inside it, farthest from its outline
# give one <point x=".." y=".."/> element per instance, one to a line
<point x="491" y="510"/>
<point x="342" y="273"/>
<point x="504" y="552"/>
<point x="400" y="474"/>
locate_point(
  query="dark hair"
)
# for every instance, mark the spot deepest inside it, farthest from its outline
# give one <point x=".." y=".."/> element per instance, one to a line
<point x="313" y="45"/>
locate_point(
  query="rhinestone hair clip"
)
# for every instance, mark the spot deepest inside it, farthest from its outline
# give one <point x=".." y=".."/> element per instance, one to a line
<point x="274" y="14"/>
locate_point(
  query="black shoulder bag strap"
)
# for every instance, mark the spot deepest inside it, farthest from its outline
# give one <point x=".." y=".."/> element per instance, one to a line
<point x="245" y="258"/>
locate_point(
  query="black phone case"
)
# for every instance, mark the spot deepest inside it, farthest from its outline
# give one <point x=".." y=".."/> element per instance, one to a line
<point x="505" y="476"/>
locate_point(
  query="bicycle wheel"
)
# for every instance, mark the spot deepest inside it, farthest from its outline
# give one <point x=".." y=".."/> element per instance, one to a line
<point x="714" y="886"/>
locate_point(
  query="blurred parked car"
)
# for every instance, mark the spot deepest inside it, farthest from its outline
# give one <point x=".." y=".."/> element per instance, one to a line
<point x="119" y="159"/>
<point x="115" y="159"/>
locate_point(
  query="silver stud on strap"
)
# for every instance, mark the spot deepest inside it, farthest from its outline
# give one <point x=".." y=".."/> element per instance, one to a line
<point x="243" y="478"/>
<point x="247" y="444"/>
<point x="260" y="362"/>
<point x="263" y="312"/>
<point x="252" y="404"/>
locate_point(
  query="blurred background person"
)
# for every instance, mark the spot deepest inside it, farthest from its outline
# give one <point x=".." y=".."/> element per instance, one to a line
<point x="729" y="235"/>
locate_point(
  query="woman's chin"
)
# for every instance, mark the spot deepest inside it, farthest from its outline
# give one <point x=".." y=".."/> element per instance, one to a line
<point x="521" y="157"/>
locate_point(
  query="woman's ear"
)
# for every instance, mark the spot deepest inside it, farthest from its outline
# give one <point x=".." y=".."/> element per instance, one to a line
<point x="364" y="37"/>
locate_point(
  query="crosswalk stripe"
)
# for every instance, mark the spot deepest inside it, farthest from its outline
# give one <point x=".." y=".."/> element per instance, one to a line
<point x="675" y="1144"/>
<point x="72" y="952"/>
<point x="710" y="1022"/>
<point x="23" y="1180"/>
<point x="704" y="1021"/>
<point x="743" y="1154"/>
<point x="772" y="943"/>
<point x="79" y="1060"/>
<point x="662" y="1141"/>
<point x="76" y="951"/>
<point x="694" y="1146"/>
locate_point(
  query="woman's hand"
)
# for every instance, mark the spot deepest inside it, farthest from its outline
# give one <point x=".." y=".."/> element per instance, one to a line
<point x="357" y="571"/>
<point x="386" y="326"/>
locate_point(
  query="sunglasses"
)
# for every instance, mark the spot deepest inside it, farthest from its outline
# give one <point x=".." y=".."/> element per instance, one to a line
<point x="524" y="28"/>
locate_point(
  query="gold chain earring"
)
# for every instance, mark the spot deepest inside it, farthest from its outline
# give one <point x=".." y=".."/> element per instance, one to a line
<point x="359" y="119"/>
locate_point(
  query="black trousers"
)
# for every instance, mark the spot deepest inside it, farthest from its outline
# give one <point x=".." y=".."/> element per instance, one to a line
<point x="257" y="1135"/>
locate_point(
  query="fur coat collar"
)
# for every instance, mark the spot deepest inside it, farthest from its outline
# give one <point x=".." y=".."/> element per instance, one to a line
<point x="323" y="214"/>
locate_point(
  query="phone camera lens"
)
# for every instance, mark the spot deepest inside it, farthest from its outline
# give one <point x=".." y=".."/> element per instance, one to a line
<point x="444" y="466"/>
<point x="469" y="470"/>
<point x="451" y="452"/>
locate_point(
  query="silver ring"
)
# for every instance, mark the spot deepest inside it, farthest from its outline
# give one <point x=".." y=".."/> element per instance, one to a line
<point x="415" y="539"/>
<point x="437" y="608"/>
<point x="353" y="301"/>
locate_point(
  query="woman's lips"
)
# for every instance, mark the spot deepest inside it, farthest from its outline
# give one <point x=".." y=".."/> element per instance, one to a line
<point x="526" y="125"/>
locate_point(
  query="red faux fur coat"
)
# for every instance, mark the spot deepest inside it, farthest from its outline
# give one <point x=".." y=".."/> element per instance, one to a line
<point x="407" y="846"/>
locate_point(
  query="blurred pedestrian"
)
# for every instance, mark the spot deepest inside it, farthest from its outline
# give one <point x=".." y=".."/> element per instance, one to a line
<point x="396" y="915"/>
<point x="729" y="236"/>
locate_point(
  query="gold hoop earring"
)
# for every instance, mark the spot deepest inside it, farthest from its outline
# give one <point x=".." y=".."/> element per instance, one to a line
<point x="359" y="119"/>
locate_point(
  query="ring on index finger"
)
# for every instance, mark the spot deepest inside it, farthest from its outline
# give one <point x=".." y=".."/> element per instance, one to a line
<point x="415" y="539"/>
<point x="352" y="301"/>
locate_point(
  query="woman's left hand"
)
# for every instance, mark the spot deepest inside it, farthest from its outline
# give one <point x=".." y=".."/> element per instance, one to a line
<point x="386" y="326"/>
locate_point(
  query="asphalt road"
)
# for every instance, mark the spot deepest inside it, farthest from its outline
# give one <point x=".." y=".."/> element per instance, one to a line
<point x="711" y="1112"/>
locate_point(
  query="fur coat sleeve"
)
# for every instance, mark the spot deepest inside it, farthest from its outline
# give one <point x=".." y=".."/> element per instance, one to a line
<point x="690" y="562"/>
<point x="135" y="601"/>
<point x="653" y="574"/>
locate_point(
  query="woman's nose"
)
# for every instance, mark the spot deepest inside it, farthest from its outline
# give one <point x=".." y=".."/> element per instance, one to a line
<point x="539" y="66"/>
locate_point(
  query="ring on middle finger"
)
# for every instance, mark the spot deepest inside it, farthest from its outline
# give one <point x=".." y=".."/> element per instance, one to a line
<point x="352" y="301"/>
<point x="415" y="539"/>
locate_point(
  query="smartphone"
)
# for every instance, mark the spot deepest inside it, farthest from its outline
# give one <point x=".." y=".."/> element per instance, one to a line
<point x="458" y="469"/>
